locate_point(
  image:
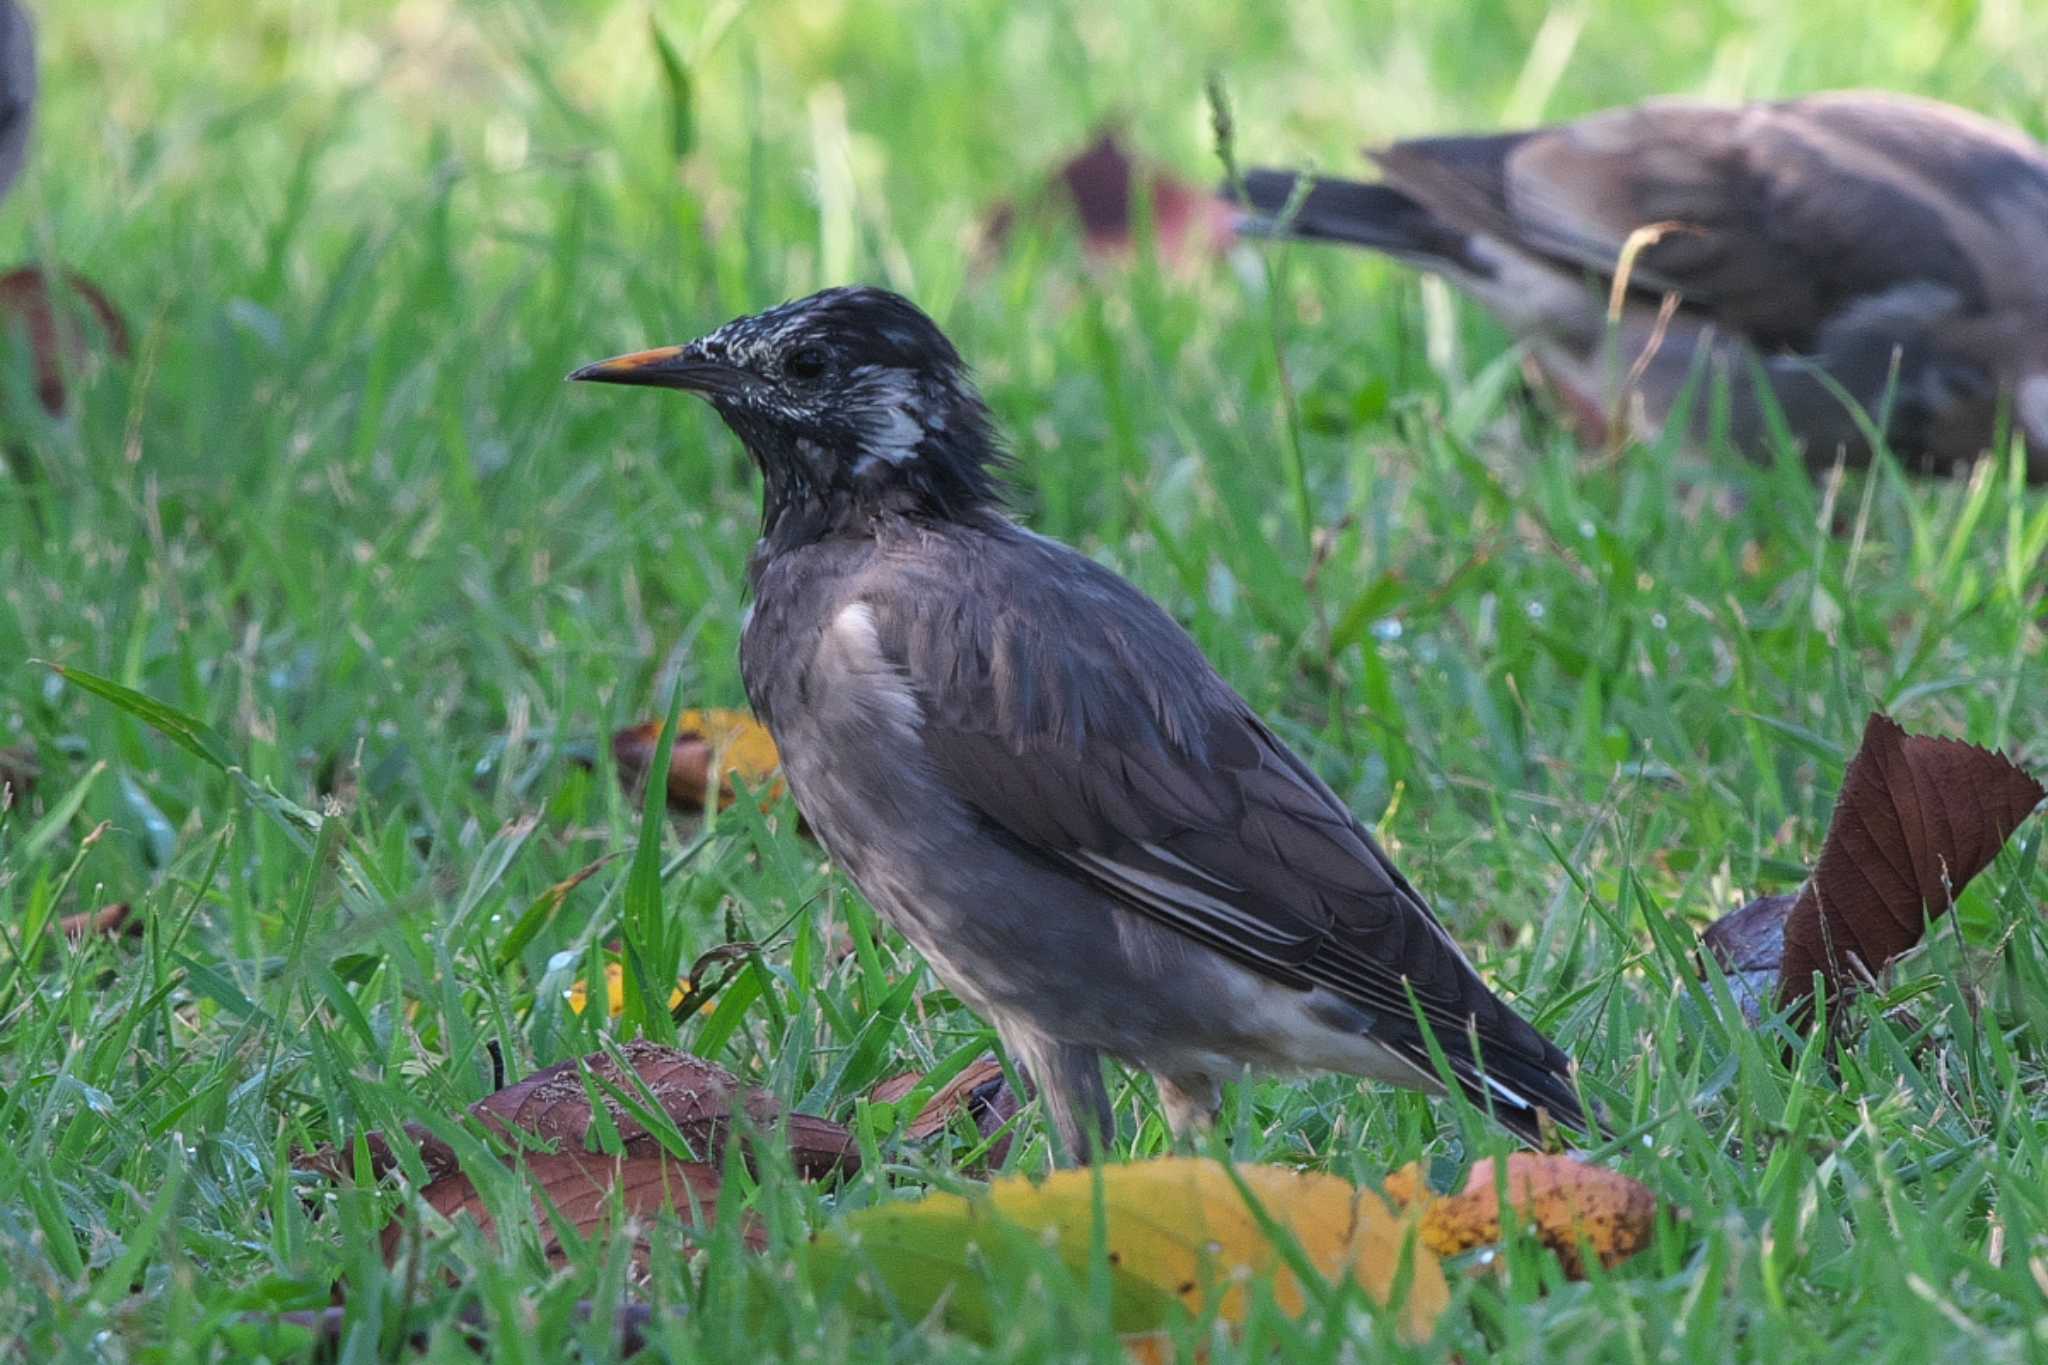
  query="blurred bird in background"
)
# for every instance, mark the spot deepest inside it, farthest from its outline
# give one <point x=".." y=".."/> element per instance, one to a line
<point x="1848" y="263"/>
<point x="1030" y="770"/>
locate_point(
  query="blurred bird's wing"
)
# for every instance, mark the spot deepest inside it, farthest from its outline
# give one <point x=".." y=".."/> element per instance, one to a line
<point x="1784" y="214"/>
<point x="17" y="89"/>
<point x="1083" y="724"/>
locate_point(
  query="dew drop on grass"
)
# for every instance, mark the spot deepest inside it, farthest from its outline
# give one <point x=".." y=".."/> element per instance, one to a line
<point x="1387" y="628"/>
<point x="1535" y="610"/>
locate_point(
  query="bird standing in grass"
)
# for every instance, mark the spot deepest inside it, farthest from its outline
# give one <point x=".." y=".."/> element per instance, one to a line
<point x="1838" y="261"/>
<point x="1033" y="773"/>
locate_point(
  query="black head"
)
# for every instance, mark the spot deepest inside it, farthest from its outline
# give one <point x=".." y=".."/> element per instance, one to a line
<point x="852" y="403"/>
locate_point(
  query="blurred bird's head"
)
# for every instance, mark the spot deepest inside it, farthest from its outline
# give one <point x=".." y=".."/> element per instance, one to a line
<point x="850" y="401"/>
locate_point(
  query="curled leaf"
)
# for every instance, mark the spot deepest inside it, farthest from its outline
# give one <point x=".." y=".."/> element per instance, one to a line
<point x="1918" y="816"/>
<point x="730" y="744"/>
<point x="980" y="1091"/>
<point x="552" y="1107"/>
<point x="104" y="922"/>
<point x="582" y="1189"/>
<point x="1101" y="183"/>
<point x="54" y="318"/>
<point x="20" y="770"/>
<point x="1178" y="1233"/>
<point x="1564" y="1201"/>
<point x="1749" y="943"/>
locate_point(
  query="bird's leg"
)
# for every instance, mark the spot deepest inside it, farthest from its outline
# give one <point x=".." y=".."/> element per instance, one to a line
<point x="1191" y="1104"/>
<point x="1068" y="1079"/>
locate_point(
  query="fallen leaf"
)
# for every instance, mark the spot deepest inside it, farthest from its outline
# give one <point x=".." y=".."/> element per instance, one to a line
<point x="731" y="743"/>
<point x="581" y="1188"/>
<point x="106" y="921"/>
<point x="1749" y="943"/>
<point x="20" y="769"/>
<point x="553" y="1106"/>
<point x="615" y="991"/>
<point x="980" y="1090"/>
<point x="1564" y="1201"/>
<point x="1178" y="1234"/>
<point x="1098" y="186"/>
<point x="57" y="344"/>
<point x="1918" y="816"/>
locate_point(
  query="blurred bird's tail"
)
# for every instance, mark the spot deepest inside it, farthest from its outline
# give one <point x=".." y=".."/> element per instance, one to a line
<point x="1281" y="203"/>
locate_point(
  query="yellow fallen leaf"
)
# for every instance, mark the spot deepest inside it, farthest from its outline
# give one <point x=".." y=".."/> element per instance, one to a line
<point x="731" y="743"/>
<point x="615" y="991"/>
<point x="1176" y="1231"/>
<point x="1564" y="1200"/>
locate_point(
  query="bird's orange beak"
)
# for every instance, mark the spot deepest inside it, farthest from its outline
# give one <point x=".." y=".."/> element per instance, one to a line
<point x="665" y="367"/>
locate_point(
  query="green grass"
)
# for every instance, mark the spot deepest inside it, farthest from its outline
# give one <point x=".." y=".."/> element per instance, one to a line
<point x="342" y="508"/>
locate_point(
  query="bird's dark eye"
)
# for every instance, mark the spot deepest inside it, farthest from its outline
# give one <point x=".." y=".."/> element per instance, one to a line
<point x="806" y="363"/>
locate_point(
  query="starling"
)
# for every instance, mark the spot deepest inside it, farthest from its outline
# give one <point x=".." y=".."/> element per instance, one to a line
<point x="1842" y="262"/>
<point x="1031" y="771"/>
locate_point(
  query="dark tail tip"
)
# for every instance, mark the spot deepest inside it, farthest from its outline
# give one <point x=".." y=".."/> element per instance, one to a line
<point x="1284" y="203"/>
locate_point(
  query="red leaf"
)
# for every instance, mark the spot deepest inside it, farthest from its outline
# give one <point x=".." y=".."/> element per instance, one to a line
<point x="1918" y="817"/>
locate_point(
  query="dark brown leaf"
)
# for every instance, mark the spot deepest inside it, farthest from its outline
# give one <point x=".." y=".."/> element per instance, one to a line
<point x="19" y="771"/>
<point x="1099" y="185"/>
<point x="105" y="921"/>
<point x="1918" y="817"/>
<point x="580" y="1187"/>
<point x="980" y="1090"/>
<point x="1750" y="946"/>
<point x="733" y="740"/>
<point x="57" y="343"/>
<point x="551" y="1107"/>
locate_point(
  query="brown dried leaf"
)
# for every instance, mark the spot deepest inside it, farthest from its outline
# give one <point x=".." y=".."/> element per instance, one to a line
<point x="551" y="1106"/>
<point x="106" y="921"/>
<point x="1098" y="185"/>
<point x="58" y="345"/>
<point x="1564" y="1201"/>
<point x="20" y="770"/>
<point x="733" y="740"/>
<point x="1749" y="943"/>
<point x="1918" y="817"/>
<point x="980" y="1089"/>
<point x="580" y="1186"/>
<point x="949" y="1098"/>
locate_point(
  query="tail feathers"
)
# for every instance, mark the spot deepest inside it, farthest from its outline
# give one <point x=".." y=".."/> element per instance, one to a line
<point x="1518" y="1096"/>
<point x="1518" y="1091"/>
<point x="1349" y="211"/>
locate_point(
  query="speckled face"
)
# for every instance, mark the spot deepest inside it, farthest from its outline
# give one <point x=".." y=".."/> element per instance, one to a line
<point x="856" y="380"/>
<point x="847" y="400"/>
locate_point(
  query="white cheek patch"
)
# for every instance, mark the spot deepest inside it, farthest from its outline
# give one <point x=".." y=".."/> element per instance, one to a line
<point x="893" y="413"/>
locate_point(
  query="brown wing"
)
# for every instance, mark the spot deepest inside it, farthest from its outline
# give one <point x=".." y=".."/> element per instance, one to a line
<point x="1792" y="211"/>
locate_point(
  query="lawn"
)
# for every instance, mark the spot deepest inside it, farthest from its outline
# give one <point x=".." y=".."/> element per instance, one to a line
<point x="340" y="507"/>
